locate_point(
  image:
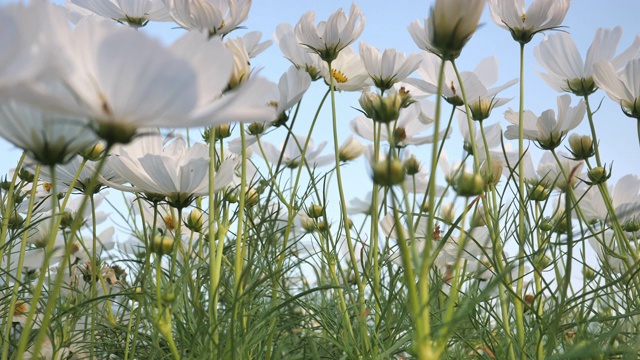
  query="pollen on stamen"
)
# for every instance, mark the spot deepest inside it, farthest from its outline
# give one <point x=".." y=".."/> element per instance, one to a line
<point x="46" y="186"/>
<point x="453" y="88"/>
<point x="339" y="76"/>
<point x="105" y="106"/>
<point x="168" y="221"/>
<point x="524" y="17"/>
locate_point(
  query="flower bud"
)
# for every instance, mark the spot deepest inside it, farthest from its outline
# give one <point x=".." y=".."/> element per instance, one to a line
<point x="162" y="245"/>
<point x="381" y="109"/>
<point x="581" y="146"/>
<point x="632" y="225"/>
<point x="251" y="198"/>
<point x="598" y="175"/>
<point x="307" y="223"/>
<point x="581" y="86"/>
<point x="492" y="174"/>
<point x="255" y="129"/>
<point x="315" y="211"/>
<point x="25" y="175"/>
<point x="539" y="193"/>
<point x="66" y="218"/>
<point x="388" y="172"/>
<point x="412" y="165"/>
<point x="588" y="273"/>
<point x="322" y="226"/>
<point x="93" y="153"/>
<point x="481" y="109"/>
<point x="223" y="131"/>
<point x="468" y="184"/>
<point x="195" y="222"/>
<point x="15" y="221"/>
<point x="478" y="218"/>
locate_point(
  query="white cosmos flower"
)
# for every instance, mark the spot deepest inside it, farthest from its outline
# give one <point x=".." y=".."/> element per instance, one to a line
<point x="211" y="17"/>
<point x="179" y="86"/>
<point x="387" y="68"/>
<point x="296" y="53"/>
<point x="567" y="72"/>
<point x="49" y="138"/>
<point x="403" y="132"/>
<point x="546" y="130"/>
<point x="67" y="172"/>
<point x="347" y="71"/>
<point x="135" y="12"/>
<point x="493" y="135"/>
<point x="622" y="86"/>
<point x="351" y="149"/>
<point x="450" y="25"/>
<point x="292" y="152"/>
<point x="606" y="246"/>
<point x="625" y="198"/>
<point x="550" y="174"/>
<point x="330" y="37"/>
<point x="25" y="44"/>
<point x="176" y="171"/>
<point x="523" y="24"/>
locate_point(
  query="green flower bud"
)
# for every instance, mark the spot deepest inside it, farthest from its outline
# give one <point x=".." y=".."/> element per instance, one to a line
<point x="582" y="86"/>
<point x="255" y="129"/>
<point x="632" y="225"/>
<point x="539" y="193"/>
<point x="25" y="175"/>
<point x="412" y="165"/>
<point x="322" y="226"/>
<point x="315" y="211"/>
<point x="162" y="245"/>
<point x="251" y="198"/>
<point x="15" y="221"/>
<point x="581" y="146"/>
<point x="388" y="173"/>
<point x="93" y="153"/>
<point x="194" y="221"/>
<point x="223" y="131"/>
<point x="481" y="109"/>
<point x="588" y="273"/>
<point x="381" y="109"/>
<point x="66" y="219"/>
<point x="598" y="175"/>
<point x="469" y="184"/>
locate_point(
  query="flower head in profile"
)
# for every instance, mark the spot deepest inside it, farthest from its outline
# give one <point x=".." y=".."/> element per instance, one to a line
<point x="347" y="72"/>
<point x="622" y="86"/>
<point x="547" y="131"/>
<point x="291" y="153"/>
<point x="49" y="138"/>
<point x="567" y="72"/>
<point x="296" y="53"/>
<point x="523" y="24"/>
<point x="449" y="27"/>
<point x="211" y="17"/>
<point x="175" y="171"/>
<point x="388" y="68"/>
<point x="330" y="37"/>
<point x="134" y="12"/>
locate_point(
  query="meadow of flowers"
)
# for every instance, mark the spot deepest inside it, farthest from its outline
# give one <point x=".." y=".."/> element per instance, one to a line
<point x="154" y="214"/>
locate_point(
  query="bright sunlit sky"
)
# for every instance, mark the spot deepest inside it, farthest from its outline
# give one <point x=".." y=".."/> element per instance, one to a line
<point x="386" y="27"/>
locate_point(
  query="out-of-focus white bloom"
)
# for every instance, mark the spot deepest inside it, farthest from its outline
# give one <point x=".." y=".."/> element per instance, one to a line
<point x="450" y="25"/>
<point x="176" y="171"/>
<point x="545" y="129"/>
<point x="401" y="132"/>
<point x="294" y="52"/>
<point x="523" y="24"/>
<point x="351" y="149"/>
<point x="180" y="86"/>
<point x="550" y="174"/>
<point x="567" y="72"/>
<point x="347" y="71"/>
<point x="329" y="38"/>
<point x="493" y="135"/>
<point x="387" y="68"/>
<point x="27" y="39"/>
<point x="625" y="198"/>
<point x="622" y="86"/>
<point x="134" y="12"/>
<point x="606" y="246"/>
<point x="292" y="152"/>
<point x="49" y="138"/>
<point x="67" y="172"/>
<point x="481" y="95"/>
<point x="211" y="17"/>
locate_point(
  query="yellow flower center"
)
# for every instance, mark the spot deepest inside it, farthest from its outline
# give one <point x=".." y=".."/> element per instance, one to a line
<point x="20" y="308"/>
<point x="47" y="187"/>
<point x="168" y="221"/>
<point x="523" y="17"/>
<point x="340" y="77"/>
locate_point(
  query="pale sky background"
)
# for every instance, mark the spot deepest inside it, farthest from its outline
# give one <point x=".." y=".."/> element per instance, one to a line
<point x="386" y="27"/>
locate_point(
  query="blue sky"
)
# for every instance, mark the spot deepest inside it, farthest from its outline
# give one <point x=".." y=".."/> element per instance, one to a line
<point x="386" y="26"/>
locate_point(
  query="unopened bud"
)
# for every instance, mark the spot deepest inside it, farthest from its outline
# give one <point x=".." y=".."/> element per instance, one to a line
<point x="93" y="153"/>
<point x="315" y="211"/>
<point x="223" y="131"/>
<point x="469" y="184"/>
<point x="351" y="149"/>
<point x="25" y="175"/>
<point x="388" y="173"/>
<point x="598" y="175"/>
<point x="251" y="198"/>
<point x="194" y="221"/>
<point x="412" y="165"/>
<point x="162" y="245"/>
<point x="539" y="193"/>
<point x="255" y="129"/>
<point x="384" y="109"/>
<point x="581" y="146"/>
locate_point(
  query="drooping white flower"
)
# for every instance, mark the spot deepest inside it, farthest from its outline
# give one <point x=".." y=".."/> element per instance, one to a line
<point x="296" y="53"/>
<point x="567" y="72"/>
<point x="292" y="152"/>
<point x="523" y="24"/>
<point x="546" y="130"/>
<point x="329" y="38"/>
<point x="402" y="132"/>
<point x="176" y="171"/>
<point x="493" y="136"/>
<point x="211" y="17"/>
<point x="450" y="25"/>
<point x="388" y="68"/>
<point x="49" y="138"/>
<point x="622" y="86"/>
<point x="350" y="149"/>
<point x="134" y="12"/>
